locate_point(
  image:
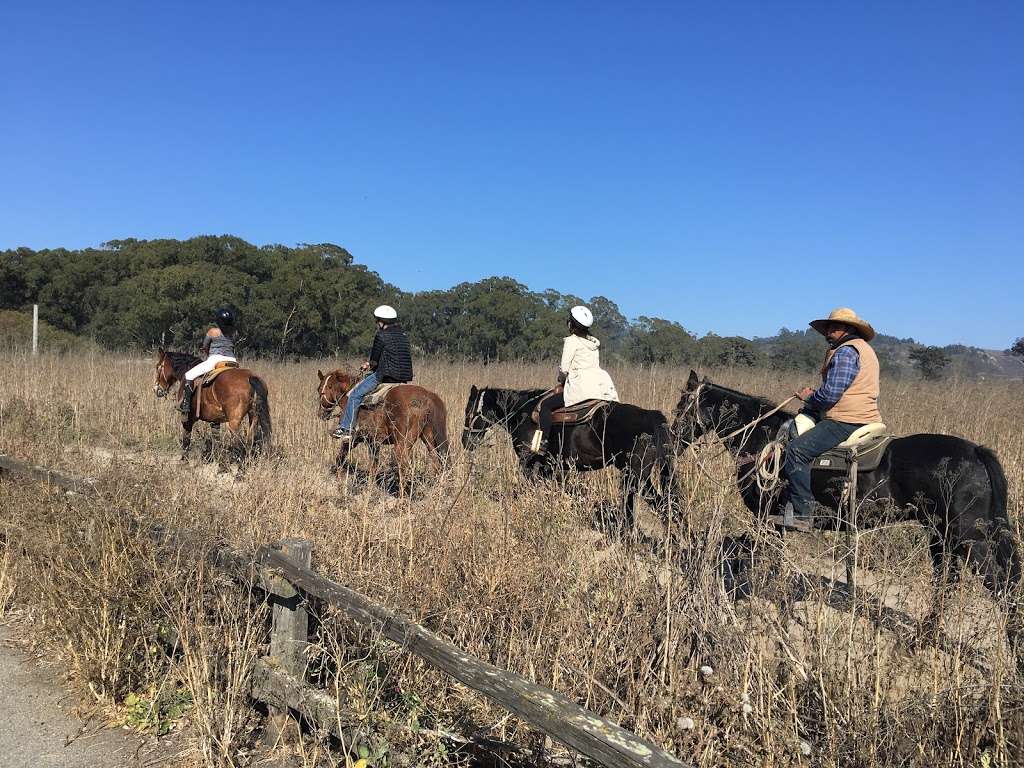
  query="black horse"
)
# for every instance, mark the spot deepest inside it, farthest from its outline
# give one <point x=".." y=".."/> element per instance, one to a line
<point x="635" y="440"/>
<point x="953" y="487"/>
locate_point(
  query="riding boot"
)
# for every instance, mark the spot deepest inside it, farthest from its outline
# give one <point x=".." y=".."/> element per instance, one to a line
<point x="186" y="397"/>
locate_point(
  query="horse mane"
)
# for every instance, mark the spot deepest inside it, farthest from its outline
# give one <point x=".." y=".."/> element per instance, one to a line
<point x="753" y="399"/>
<point x="181" y="362"/>
<point x="340" y="373"/>
<point x="514" y="399"/>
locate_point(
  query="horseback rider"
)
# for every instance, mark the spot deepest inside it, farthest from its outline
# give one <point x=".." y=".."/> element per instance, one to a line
<point x="580" y="375"/>
<point x="846" y="400"/>
<point x="390" y="362"/>
<point x="218" y="347"/>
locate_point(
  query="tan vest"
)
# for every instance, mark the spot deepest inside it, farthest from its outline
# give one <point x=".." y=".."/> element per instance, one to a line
<point x="859" y="403"/>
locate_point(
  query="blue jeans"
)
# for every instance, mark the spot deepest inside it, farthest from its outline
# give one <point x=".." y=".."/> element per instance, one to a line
<point x="801" y="451"/>
<point x="355" y="398"/>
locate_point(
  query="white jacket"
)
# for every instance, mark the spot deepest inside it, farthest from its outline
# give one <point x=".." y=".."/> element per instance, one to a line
<point x="585" y="379"/>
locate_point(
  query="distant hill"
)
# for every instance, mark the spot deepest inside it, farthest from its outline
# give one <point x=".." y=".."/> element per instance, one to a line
<point x="801" y="348"/>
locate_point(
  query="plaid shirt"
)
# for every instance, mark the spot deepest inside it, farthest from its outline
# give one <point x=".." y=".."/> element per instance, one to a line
<point x="841" y="372"/>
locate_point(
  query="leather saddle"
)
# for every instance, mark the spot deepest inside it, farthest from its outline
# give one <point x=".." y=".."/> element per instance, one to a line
<point x="866" y="444"/>
<point x="218" y="369"/>
<point x="376" y="396"/>
<point x="204" y="381"/>
<point x="580" y="413"/>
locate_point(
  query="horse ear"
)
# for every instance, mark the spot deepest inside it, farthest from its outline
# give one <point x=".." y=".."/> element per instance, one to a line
<point x="473" y="391"/>
<point x="692" y="382"/>
<point x="320" y="374"/>
<point x="160" y="354"/>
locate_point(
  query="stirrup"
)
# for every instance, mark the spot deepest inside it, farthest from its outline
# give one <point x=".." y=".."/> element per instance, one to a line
<point x="538" y="444"/>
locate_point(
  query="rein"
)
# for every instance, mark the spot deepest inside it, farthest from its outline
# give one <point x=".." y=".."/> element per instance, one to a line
<point x="743" y="430"/>
<point x="487" y="420"/>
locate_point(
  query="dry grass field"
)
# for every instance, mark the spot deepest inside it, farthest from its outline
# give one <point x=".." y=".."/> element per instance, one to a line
<point x="635" y="626"/>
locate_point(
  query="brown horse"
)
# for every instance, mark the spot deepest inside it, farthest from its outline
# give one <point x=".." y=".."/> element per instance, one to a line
<point x="234" y="394"/>
<point x="408" y="413"/>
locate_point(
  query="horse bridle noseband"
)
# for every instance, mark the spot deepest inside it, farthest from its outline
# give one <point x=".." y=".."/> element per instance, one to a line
<point x="323" y="389"/>
<point x="479" y="414"/>
<point x="158" y="389"/>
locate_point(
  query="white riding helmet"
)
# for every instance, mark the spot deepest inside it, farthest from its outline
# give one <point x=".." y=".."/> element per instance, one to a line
<point x="582" y="315"/>
<point x="385" y="312"/>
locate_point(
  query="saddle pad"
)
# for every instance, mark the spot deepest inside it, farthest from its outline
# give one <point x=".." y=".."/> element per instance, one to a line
<point x="869" y="456"/>
<point x="218" y="369"/>
<point x="574" y="414"/>
<point x="377" y="395"/>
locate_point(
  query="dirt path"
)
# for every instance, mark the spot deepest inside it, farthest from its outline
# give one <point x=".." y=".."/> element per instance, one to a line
<point x="39" y="730"/>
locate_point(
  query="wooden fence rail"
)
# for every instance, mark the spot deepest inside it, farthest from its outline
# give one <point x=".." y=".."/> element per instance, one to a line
<point x="278" y="681"/>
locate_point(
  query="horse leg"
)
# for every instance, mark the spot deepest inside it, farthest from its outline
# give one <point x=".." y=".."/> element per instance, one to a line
<point x="340" y="460"/>
<point x="186" y="437"/>
<point x="430" y="439"/>
<point x="236" y="437"/>
<point x="208" y="442"/>
<point x="628" y="484"/>
<point x="402" y="455"/>
<point x="946" y="567"/>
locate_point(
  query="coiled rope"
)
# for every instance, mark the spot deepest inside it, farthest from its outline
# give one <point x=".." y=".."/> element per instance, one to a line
<point x="769" y="467"/>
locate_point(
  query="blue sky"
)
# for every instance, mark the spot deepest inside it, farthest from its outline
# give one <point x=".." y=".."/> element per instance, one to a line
<point x="735" y="167"/>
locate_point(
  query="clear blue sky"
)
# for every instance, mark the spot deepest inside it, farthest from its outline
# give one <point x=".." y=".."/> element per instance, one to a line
<point x="735" y="167"/>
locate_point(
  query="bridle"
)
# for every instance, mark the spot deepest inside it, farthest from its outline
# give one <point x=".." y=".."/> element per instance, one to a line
<point x="479" y="415"/>
<point x="744" y="430"/>
<point x="323" y="396"/>
<point x="694" y="403"/>
<point x="159" y="389"/>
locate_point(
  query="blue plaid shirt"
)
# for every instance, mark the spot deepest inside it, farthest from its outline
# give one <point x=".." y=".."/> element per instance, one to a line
<point x="841" y="372"/>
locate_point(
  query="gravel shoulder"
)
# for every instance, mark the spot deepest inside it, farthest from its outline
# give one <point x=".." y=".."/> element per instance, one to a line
<point x="42" y="730"/>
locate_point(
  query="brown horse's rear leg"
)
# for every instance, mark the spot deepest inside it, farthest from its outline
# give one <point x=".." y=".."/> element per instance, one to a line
<point x="402" y="453"/>
<point x="438" y="453"/>
<point x="236" y="438"/>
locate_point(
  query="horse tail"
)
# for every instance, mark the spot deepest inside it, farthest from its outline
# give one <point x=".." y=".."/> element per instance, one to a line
<point x="1007" y="556"/>
<point x="439" y="426"/>
<point x="262" y="429"/>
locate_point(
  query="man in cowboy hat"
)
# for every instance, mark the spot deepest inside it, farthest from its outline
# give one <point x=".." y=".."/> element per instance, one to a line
<point x="847" y="399"/>
<point x="390" y="362"/>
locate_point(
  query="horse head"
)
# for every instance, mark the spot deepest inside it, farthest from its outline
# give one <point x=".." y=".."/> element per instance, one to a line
<point x="165" y="377"/>
<point x="475" y="425"/>
<point x="691" y="417"/>
<point x="332" y="390"/>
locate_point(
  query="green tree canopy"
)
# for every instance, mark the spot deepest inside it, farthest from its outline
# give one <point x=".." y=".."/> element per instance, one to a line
<point x="929" y="361"/>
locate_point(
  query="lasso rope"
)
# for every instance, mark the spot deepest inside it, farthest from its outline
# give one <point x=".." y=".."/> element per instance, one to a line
<point x="769" y="467"/>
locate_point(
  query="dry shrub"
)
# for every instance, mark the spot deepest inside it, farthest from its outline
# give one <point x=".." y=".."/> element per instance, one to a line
<point x="636" y="625"/>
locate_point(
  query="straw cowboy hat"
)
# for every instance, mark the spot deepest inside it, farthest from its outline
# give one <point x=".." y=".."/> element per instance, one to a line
<point x="847" y="316"/>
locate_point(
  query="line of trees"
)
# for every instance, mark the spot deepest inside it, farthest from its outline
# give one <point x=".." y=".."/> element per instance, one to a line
<point x="314" y="300"/>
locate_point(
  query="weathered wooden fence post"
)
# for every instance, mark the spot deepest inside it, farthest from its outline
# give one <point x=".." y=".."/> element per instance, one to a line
<point x="852" y="536"/>
<point x="289" y="629"/>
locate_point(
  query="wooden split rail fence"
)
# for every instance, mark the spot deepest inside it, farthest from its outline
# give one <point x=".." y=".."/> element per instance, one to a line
<point x="290" y="583"/>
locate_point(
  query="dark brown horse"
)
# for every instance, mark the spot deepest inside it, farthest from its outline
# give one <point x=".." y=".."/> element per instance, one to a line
<point x="408" y="413"/>
<point x="234" y="394"/>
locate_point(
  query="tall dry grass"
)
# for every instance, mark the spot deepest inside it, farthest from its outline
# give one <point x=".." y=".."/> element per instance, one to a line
<point x="637" y="627"/>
